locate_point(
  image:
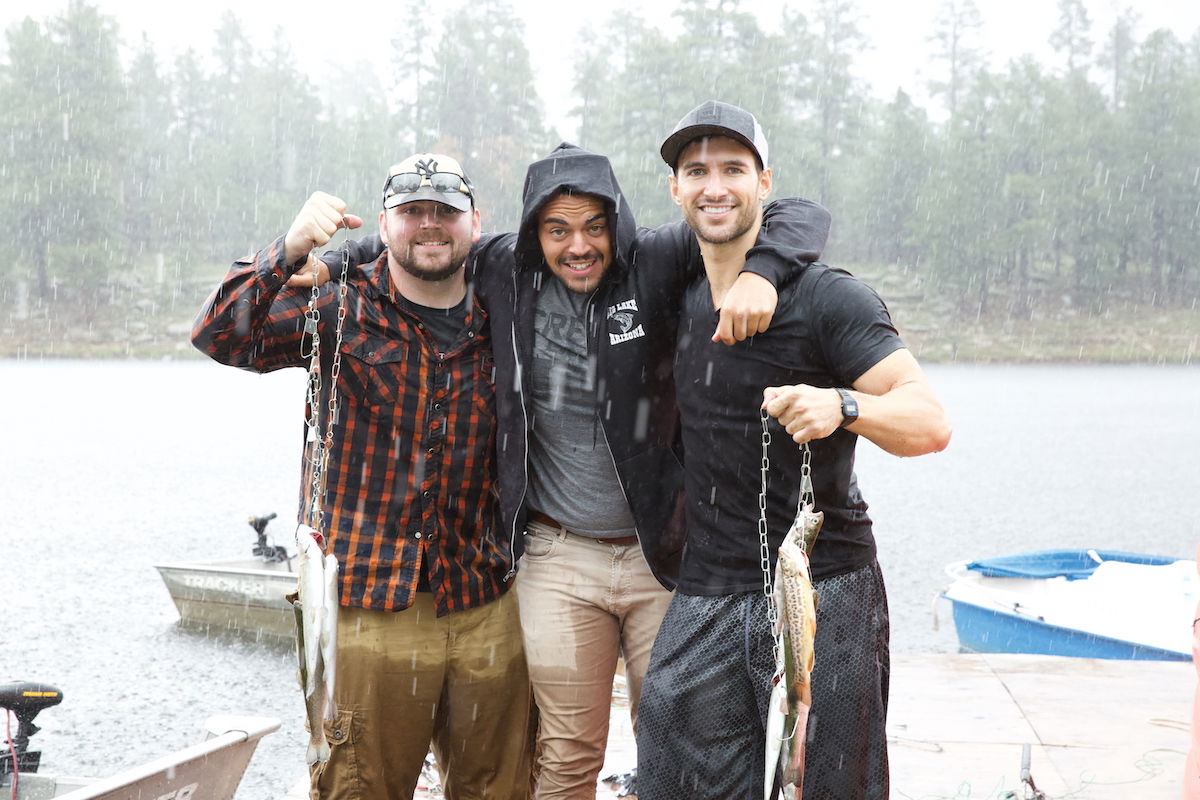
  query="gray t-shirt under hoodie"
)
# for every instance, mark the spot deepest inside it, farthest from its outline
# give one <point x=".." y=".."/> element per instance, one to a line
<point x="572" y="475"/>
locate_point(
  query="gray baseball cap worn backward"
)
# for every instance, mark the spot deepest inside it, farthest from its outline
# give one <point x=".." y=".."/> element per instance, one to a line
<point x="714" y="118"/>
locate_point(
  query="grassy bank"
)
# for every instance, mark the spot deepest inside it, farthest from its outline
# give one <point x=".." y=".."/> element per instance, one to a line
<point x="149" y="316"/>
<point x="1051" y="322"/>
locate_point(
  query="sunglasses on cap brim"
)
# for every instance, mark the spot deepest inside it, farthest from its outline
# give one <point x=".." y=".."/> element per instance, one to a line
<point x="444" y="182"/>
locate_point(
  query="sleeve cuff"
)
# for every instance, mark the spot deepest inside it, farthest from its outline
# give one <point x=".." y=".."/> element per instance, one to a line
<point x="271" y="266"/>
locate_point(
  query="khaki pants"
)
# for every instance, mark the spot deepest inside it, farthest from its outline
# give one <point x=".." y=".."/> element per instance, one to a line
<point x="582" y="604"/>
<point x="406" y="679"/>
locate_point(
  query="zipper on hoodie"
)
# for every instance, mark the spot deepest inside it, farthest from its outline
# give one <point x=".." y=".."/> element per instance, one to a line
<point x="520" y="379"/>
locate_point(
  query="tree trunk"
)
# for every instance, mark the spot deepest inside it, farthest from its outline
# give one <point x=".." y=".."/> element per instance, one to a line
<point x="1156" y="258"/>
<point x="41" y="272"/>
<point x="982" y="298"/>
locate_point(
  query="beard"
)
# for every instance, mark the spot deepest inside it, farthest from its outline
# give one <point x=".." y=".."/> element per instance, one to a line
<point x="724" y="232"/>
<point x="427" y="268"/>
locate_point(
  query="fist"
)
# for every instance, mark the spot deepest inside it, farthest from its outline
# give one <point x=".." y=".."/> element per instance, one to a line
<point x="805" y="412"/>
<point x="315" y="225"/>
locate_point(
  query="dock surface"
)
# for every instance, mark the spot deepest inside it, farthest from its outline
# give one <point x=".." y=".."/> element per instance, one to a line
<point x="1098" y="730"/>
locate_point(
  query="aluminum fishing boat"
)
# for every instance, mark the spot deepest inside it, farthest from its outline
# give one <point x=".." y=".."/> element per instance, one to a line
<point x="1084" y="603"/>
<point x="208" y="770"/>
<point x="242" y="595"/>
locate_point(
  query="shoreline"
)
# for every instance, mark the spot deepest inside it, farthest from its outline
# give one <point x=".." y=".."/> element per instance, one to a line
<point x="928" y="350"/>
<point x="152" y="320"/>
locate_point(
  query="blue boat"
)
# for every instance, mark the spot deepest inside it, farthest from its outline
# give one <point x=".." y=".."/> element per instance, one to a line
<point x="1081" y="603"/>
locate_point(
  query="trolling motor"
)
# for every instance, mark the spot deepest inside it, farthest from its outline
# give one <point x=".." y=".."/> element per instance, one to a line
<point x="25" y="700"/>
<point x="267" y="552"/>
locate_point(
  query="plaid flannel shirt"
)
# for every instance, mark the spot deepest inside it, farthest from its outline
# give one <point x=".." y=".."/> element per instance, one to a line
<point x="410" y="483"/>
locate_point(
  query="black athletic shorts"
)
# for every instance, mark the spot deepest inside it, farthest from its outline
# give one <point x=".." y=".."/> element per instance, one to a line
<point x="702" y="719"/>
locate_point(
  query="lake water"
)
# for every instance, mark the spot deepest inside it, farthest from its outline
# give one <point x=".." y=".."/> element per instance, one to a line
<point x="110" y="467"/>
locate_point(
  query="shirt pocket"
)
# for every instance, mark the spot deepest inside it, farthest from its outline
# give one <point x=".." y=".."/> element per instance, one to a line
<point x="375" y="372"/>
<point x="485" y="385"/>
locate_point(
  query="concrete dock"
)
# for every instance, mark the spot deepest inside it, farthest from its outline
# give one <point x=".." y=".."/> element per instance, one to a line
<point x="1098" y="730"/>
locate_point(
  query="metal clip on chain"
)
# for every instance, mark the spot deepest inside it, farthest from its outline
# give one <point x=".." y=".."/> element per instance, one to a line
<point x="319" y="446"/>
<point x="807" y="498"/>
<point x="313" y="395"/>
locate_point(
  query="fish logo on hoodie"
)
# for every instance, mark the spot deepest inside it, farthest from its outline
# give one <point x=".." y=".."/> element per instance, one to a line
<point x="621" y="318"/>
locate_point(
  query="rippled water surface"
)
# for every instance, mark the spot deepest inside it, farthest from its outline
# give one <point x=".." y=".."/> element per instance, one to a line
<point x="110" y="467"/>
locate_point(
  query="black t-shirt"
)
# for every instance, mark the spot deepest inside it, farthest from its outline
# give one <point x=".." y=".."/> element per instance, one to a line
<point x="828" y="329"/>
<point x="445" y="325"/>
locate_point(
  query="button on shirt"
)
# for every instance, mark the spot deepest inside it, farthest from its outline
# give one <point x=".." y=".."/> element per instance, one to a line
<point x="410" y="486"/>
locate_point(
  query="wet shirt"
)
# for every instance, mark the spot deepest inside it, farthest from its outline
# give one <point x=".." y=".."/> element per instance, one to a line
<point x="412" y="467"/>
<point x="572" y="476"/>
<point x="829" y="328"/>
<point x="444" y="325"/>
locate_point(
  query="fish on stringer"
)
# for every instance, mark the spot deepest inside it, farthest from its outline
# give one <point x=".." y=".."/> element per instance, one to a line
<point x="791" y="693"/>
<point x="316" y="637"/>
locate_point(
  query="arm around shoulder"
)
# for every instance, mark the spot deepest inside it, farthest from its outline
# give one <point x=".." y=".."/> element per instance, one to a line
<point x="794" y="232"/>
<point x="352" y="253"/>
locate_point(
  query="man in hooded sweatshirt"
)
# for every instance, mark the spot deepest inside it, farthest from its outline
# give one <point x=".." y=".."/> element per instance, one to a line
<point x="582" y="308"/>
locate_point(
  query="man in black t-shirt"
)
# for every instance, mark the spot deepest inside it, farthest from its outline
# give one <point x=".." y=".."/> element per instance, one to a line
<point x="830" y="368"/>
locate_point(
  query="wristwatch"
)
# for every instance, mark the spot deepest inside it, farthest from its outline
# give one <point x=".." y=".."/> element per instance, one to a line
<point x="849" y="408"/>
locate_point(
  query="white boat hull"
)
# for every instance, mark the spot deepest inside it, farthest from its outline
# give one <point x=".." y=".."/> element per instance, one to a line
<point x="1122" y="611"/>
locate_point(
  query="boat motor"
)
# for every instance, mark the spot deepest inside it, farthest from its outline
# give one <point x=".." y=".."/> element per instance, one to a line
<point x="25" y="700"/>
<point x="264" y="550"/>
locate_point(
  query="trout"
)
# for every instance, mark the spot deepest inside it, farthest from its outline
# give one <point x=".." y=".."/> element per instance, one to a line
<point x="791" y="695"/>
<point x="316" y="637"/>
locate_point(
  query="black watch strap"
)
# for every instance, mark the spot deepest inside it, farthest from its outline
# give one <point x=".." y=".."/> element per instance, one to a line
<point x="849" y="408"/>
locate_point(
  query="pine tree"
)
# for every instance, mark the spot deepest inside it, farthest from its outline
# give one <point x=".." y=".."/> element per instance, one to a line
<point x="71" y="136"/>
<point x="149" y="173"/>
<point x="484" y="107"/>
<point x="1072" y="37"/>
<point x="896" y="168"/>
<point x="955" y="34"/>
<point x="1116" y="53"/>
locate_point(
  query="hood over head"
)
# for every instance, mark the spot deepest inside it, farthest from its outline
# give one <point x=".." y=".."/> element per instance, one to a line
<point x="571" y="168"/>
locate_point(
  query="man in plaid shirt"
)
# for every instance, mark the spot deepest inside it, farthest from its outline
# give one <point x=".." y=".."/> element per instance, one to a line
<point x="429" y="641"/>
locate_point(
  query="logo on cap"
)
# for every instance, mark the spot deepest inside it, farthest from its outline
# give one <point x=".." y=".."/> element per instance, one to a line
<point x="428" y="176"/>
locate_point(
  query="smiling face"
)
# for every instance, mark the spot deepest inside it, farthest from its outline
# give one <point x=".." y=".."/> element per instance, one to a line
<point x="574" y="235"/>
<point x="427" y="239"/>
<point x="718" y="185"/>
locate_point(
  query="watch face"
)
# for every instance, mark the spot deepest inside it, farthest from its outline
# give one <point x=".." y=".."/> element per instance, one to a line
<point x="849" y="408"/>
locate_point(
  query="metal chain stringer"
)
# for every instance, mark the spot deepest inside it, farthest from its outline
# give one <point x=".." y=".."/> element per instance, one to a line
<point x="319" y="446"/>
<point x="807" y="498"/>
<point x="764" y="549"/>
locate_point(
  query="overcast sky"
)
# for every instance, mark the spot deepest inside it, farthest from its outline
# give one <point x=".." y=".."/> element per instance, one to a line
<point x="898" y="31"/>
